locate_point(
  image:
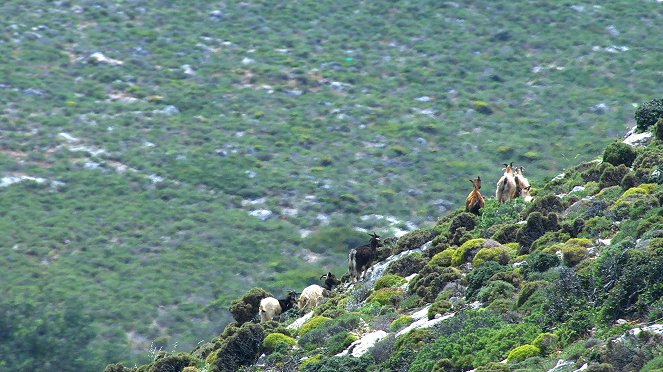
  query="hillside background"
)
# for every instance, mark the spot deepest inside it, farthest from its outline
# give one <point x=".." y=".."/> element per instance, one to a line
<point x="159" y="158"/>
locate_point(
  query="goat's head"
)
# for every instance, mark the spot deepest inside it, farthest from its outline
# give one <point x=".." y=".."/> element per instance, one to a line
<point x="375" y="240"/>
<point x="291" y="299"/>
<point x="519" y="170"/>
<point x="330" y="279"/>
<point x="476" y="182"/>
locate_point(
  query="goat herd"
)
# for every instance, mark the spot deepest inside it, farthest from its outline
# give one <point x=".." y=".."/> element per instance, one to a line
<point x="510" y="186"/>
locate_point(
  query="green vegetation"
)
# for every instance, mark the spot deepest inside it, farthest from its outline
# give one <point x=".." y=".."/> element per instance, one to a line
<point x="160" y="159"/>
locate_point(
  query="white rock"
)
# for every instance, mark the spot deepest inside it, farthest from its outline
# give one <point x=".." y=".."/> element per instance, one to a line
<point x="584" y="367"/>
<point x="300" y="321"/>
<point x="188" y="70"/>
<point x="639" y="139"/>
<point x="261" y="214"/>
<point x="577" y="189"/>
<point x="247" y="61"/>
<point x="8" y="181"/>
<point x="361" y="346"/>
<point x="561" y="363"/>
<point x="98" y="57"/>
<point x="423" y="99"/>
<point x="424" y="322"/>
<point x="67" y="137"/>
<point x="169" y="110"/>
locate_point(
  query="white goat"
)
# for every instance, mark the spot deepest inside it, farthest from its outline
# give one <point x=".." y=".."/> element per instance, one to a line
<point x="270" y="307"/>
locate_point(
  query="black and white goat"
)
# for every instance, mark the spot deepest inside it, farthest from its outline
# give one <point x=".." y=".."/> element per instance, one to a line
<point x="362" y="257"/>
<point x="313" y="294"/>
<point x="270" y="307"/>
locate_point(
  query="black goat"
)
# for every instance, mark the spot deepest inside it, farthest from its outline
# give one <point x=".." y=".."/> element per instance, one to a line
<point x="362" y="257"/>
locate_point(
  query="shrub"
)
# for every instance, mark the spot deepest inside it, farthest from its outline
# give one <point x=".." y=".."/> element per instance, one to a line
<point x="277" y="342"/>
<point x="546" y="342"/>
<point x="528" y="290"/>
<point x="400" y="323"/>
<point x="523" y="352"/>
<point x="443" y="258"/>
<point x="466" y="252"/>
<point x="573" y="254"/>
<point x="315" y="359"/>
<point x="619" y="153"/>
<point x="431" y="280"/>
<point x="312" y="323"/>
<point x="461" y="225"/>
<point x="245" y="308"/>
<point x="534" y="228"/>
<point x="239" y="349"/>
<point x="480" y="276"/>
<point x="548" y="239"/>
<point x="647" y="166"/>
<point x="440" y="306"/>
<point x="407" y="265"/>
<point x="506" y="233"/>
<point x="545" y="205"/>
<point x="414" y="239"/>
<point x="541" y="262"/>
<point x="612" y="176"/>
<point x="389" y="281"/>
<point x="493" y="367"/>
<point x="497" y="254"/>
<point x="386" y="296"/>
<point x="494" y="290"/>
<point x="648" y="113"/>
<point x="658" y="130"/>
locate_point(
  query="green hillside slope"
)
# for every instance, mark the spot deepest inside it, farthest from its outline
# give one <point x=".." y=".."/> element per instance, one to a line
<point x="571" y="281"/>
<point x="159" y="158"/>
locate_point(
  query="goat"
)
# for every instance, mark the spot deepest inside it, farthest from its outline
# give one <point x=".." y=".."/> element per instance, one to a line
<point x="522" y="185"/>
<point x="312" y="294"/>
<point x="361" y="258"/>
<point x="270" y="307"/>
<point x="506" y="186"/>
<point x="474" y="200"/>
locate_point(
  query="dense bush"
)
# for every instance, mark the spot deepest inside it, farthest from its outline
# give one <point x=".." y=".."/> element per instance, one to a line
<point x="465" y="253"/>
<point x="573" y="253"/>
<point x="407" y="265"/>
<point x="500" y="255"/>
<point x="534" y="228"/>
<point x="612" y="175"/>
<point x="544" y="205"/>
<point x="494" y="290"/>
<point x="400" y="322"/>
<point x="431" y="280"/>
<point x="439" y="306"/>
<point x="277" y="342"/>
<point x="240" y="349"/>
<point x="389" y="281"/>
<point x="479" y="276"/>
<point x="443" y="258"/>
<point x="523" y="352"/>
<point x="546" y="342"/>
<point x="245" y="308"/>
<point x="415" y="239"/>
<point x="386" y="296"/>
<point x="647" y="166"/>
<point x="312" y="323"/>
<point x="619" y="153"/>
<point x="344" y="363"/>
<point x="506" y="233"/>
<point x="648" y="113"/>
<point x="541" y="262"/>
<point x="172" y="362"/>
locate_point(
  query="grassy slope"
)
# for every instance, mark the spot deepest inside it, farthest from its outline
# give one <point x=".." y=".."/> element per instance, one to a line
<point x="312" y="99"/>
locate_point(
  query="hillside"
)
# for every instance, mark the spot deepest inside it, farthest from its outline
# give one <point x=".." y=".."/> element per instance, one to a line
<point x="571" y="281"/>
<point x="153" y="152"/>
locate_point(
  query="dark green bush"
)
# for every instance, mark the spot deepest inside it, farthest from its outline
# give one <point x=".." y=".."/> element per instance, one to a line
<point x="407" y="265"/>
<point x="460" y="227"/>
<point x="388" y="281"/>
<point x="546" y="342"/>
<point x="544" y="205"/>
<point x="240" y="349"/>
<point x="494" y="290"/>
<point x="172" y="362"/>
<point x="479" y="276"/>
<point x="548" y="239"/>
<point x="528" y="290"/>
<point x="619" y="153"/>
<point x="534" y="228"/>
<point x="431" y="280"/>
<point x="648" y="113"/>
<point x="343" y="363"/>
<point x="658" y="130"/>
<point x="245" y="308"/>
<point x="439" y="306"/>
<point x="647" y="166"/>
<point x="541" y="262"/>
<point x="415" y="239"/>
<point x="612" y="175"/>
<point x="506" y="233"/>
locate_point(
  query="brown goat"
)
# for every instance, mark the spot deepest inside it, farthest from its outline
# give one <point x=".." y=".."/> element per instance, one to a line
<point x="474" y="200"/>
<point x="506" y="186"/>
